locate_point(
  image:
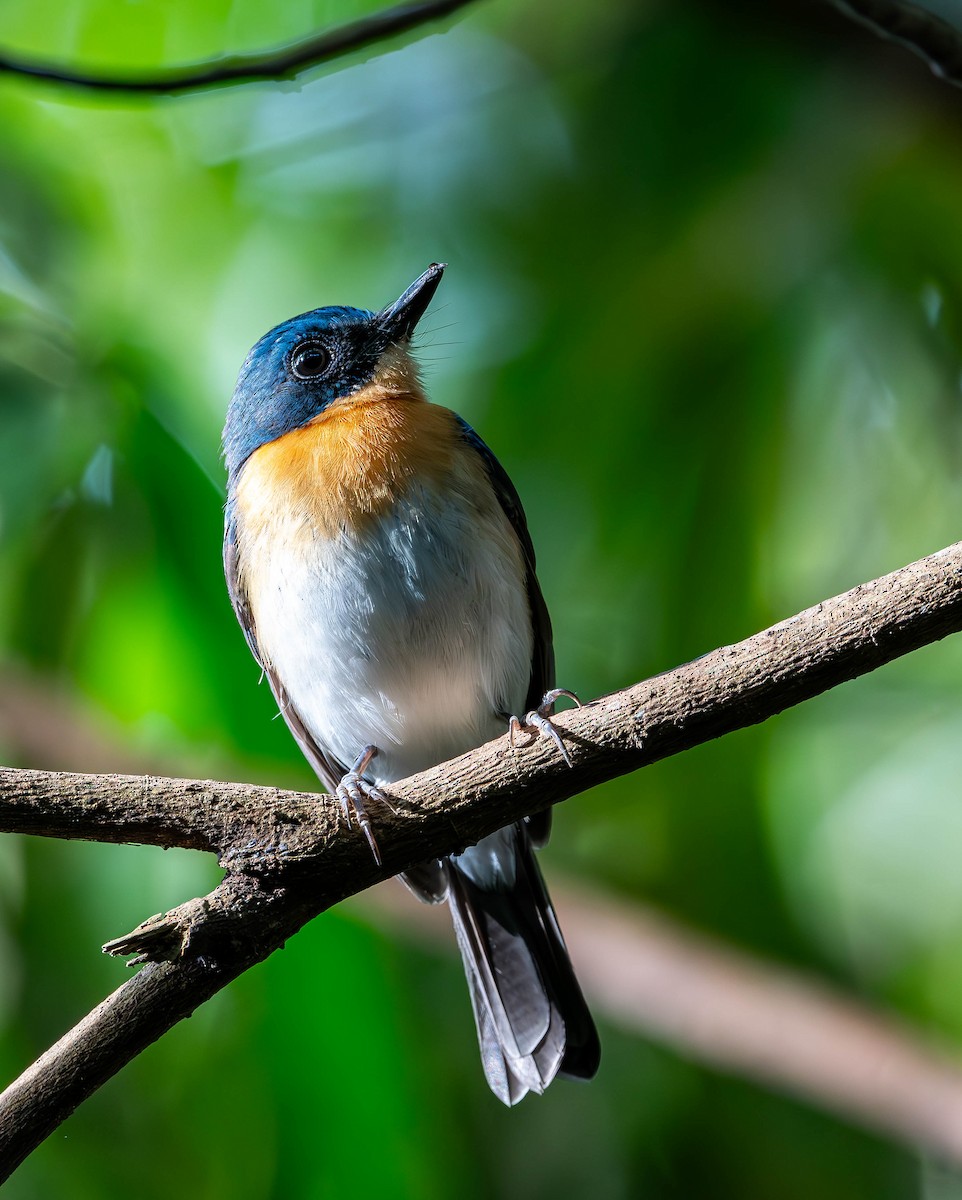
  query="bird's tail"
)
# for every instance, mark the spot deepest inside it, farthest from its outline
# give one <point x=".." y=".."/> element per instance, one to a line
<point x="532" y="1019"/>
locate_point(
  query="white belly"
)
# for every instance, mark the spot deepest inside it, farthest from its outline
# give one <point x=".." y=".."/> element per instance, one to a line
<point x="412" y="635"/>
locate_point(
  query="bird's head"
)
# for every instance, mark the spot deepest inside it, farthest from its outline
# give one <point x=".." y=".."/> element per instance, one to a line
<point x="308" y="363"/>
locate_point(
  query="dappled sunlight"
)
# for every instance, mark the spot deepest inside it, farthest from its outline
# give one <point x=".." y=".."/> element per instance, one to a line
<point x="704" y="301"/>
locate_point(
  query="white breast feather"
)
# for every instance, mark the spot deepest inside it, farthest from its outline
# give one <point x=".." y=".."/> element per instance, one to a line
<point x="412" y="634"/>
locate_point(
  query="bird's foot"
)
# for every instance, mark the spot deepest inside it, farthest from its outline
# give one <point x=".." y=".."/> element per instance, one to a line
<point x="539" y="720"/>
<point x="354" y="791"/>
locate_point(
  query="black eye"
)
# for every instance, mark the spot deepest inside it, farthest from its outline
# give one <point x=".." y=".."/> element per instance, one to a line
<point x="310" y="360"/>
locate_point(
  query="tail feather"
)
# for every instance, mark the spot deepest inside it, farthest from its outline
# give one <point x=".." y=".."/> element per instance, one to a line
<point x="582" y="1051"/>
<point x="532" y="1019"/>
<point x="510" y="1078"/>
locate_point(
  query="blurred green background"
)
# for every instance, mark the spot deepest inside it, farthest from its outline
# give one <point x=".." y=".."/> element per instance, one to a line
<point x="705" y="302"/>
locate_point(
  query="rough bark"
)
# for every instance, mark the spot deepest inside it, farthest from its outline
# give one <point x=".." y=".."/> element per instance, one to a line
<point x="288" y="857"/>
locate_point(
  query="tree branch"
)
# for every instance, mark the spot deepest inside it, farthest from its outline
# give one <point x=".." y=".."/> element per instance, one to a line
<point x="263" y="829"/>
<point x="276" y="65"/>
<point x="286" y="862"/>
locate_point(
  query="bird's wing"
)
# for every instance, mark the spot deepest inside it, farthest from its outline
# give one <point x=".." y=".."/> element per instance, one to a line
<point x="542" y="656"/>
<point x="328" y="769"/>
<point x="542" y="659"/>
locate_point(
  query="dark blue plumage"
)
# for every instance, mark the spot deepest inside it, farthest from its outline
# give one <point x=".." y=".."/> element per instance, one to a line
<point x="269" y="401"/>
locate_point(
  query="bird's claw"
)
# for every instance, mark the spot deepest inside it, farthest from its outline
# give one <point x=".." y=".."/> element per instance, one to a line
<point x="540" y="719"/>
<point x="352" y="794"/>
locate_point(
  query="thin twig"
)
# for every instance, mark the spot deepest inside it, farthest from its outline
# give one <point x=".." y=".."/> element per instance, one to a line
<point x="287" y="861"/>
<point x="276" y="65"/>
<point x="934" y="39"/>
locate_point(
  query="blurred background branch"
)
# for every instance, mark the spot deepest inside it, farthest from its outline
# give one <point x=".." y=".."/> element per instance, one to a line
<point x="932" y="36"/>
<point x="656" y="978"/>
<point x="287" y="63"/>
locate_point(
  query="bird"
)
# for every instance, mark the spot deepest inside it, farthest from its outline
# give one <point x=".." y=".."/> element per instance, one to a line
<point x="379" y="562"/>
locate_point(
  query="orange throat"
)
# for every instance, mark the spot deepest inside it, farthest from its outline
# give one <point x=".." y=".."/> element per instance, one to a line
<point x="348" y="465"/>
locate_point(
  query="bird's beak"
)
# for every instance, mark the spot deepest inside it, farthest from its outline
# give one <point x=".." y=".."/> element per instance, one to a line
<point x="399" y="319"/>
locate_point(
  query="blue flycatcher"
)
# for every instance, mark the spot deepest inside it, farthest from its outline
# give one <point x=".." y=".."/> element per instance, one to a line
<point x="380" y="565"/>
